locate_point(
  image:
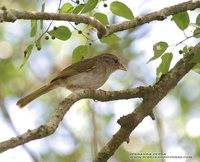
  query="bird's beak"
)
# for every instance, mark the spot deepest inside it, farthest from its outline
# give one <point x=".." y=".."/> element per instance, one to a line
<point x="122" y="67"/>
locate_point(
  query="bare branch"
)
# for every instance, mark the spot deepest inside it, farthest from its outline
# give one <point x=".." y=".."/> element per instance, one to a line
<point x="157" y="15"/>
<point x="51" y="126"/>
<point x="13" y="15"/>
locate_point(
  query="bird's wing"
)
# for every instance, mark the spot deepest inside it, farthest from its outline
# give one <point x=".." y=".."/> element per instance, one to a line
<point x="74" y="69"/>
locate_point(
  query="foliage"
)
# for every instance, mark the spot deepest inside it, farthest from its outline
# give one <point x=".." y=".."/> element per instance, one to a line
<point x="61" y="32"/>
<point x="120" y="9"/>
<point x="79" y="53"/>
<point x="182" y="20"/>
<point x="159" y="48"/>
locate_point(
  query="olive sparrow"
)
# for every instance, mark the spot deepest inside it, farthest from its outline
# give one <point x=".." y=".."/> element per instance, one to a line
<point x="90" y="73"/>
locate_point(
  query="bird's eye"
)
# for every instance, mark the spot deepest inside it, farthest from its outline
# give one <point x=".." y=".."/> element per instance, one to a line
<point x="115" y="60"/>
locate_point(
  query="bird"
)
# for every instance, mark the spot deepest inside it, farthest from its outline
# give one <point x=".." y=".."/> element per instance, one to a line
<point x="89" y="73"/>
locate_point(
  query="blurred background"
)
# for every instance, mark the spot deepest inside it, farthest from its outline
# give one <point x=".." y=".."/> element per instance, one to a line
<point x="90" y="124"/>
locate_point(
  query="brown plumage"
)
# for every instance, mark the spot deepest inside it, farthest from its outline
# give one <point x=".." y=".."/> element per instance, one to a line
<point x="90" y="73"/>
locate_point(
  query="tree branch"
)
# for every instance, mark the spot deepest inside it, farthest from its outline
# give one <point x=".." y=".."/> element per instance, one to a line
<point x="103" y="31"/>
<point x="156" y="94"/>
<point x="151" y="96"/>
<point x="13" y="15"/>
<point x="51" y="126"/>
<point x="157" y="15"/>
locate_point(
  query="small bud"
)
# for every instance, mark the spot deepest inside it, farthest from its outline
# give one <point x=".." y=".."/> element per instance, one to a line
<point x="4" y="8"/>
<point x="47" y="37"/>
<point x="79" y="32"/>
<point x="39" y="48"/>
<point x="53" y="37"/>
<point x="77" y="1"/>
<point x="54" y="28"/>
<point x="180" y="52"/>
<point x="105" y="5"/>
<point x="25" y="52"/>
<point x="76" y="23"/>
<point x="90" y="44"/>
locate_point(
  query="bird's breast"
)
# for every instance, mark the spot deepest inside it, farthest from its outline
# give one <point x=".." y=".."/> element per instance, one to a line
<point x="87" y="80"/>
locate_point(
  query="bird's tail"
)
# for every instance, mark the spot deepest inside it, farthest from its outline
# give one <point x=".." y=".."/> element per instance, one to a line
<point x="27" y="99"/>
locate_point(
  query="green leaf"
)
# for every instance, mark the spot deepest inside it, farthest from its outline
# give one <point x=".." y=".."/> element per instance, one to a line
<point x="62" y="33"/>
<point x="38" y="44"/>
<point x="66" y="8"/>
<point x="182" y="20"/>
<point x="42" y="10"/>
<point x="186" y="50"/>
<point x="33" y="28"/>
<point x="89" y="6"/>
<point x="196" y="68"/>
<point x="164" y="65"/>
<point x="120" y="9"/>
<point x="198" y="20"/>
<point x="79" y="53"/>
<point x="196" y="57"/>
<point x="111" y="39"/>
<point x="197" y="33"/>
<point x="185" y="105"/>
<point x="43" y="7"/>
<point x="101" y="17"/>
<point x="27" y="54"/>
<point x="159" y="48"/>
<point x="78" y="8"/>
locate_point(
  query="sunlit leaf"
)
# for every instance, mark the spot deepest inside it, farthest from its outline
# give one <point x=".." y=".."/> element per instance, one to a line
<point x="66" y="8"/>
<point x="198" y="20"/>
<point x="27" y="54"/>
<point x="197" y="33"/>
<point x="186" y="49"/>
<point x="33" y="28"/>
<point x="196" y="68"/>
<point x="196" y="57"/>
<point x="89" y="6"/>
<point x="120" y="9"/>
<point x="182" y="20"/>
<point x="159" y="48"/>
<point x="42" y="10"/>
<point x="43" y="7"/>
<point x="164" y="65"/>
<point x="61" y="32"/>
<point x="102" y="18"/>
<point x="38" y="44"/>
<point x="111" y="39"/>
<point x="78" y="8"/>
<point x="79" y="53"/>
<point x="184" y="103"/>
